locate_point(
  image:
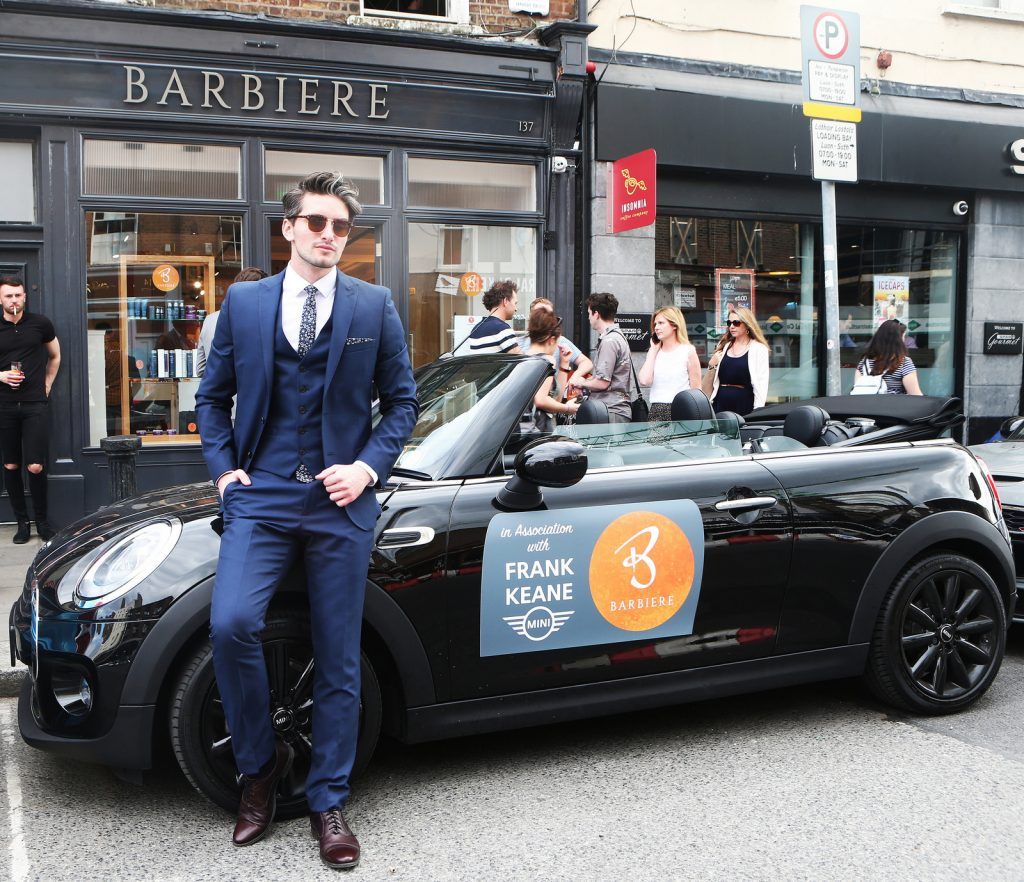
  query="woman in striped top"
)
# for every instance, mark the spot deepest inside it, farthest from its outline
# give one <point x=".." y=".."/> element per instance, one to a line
<point x="886" y="355"/>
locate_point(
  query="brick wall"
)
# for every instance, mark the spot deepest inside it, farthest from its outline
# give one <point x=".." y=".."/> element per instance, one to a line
<point x="493" y="15"/>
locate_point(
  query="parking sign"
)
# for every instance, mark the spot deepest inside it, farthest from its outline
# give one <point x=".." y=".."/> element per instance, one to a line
<point x="830" y="49"/>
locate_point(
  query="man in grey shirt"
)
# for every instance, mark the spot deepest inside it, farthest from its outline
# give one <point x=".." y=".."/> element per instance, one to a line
<point x="609" y="383"/>
<point x="209" y="328"/>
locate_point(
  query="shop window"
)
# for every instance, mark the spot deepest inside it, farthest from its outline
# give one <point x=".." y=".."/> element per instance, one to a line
<point x="906" y="274"/>
<point x="449" y="269"/>
<point x="361" y="258"/>
<point x="161" y="169"/>
<point x="482" y="186"/>
<point x="151" y="280"/>
<point x="454" y="10"/>
<point x="704" y="265"/>
<point x="17" y="182"/>
<point x="284" y="169"/>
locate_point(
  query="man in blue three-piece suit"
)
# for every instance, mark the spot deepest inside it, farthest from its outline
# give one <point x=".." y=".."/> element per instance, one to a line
<point x="302" y="351"/>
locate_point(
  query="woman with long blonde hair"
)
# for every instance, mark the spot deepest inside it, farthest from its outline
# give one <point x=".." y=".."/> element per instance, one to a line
<point x="671" y="365"/>
<point x="737" y="376"/>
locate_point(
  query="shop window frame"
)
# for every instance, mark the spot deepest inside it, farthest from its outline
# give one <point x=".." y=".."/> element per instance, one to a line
<point x="388" y="182"/>
<point x="457" y="13"/>
<point x="539" y="184"/>
<point x="141" y="135"/>
<point x="36" y="223"/>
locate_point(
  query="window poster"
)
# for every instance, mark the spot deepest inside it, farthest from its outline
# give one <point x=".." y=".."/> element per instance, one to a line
<point x="734" y="289"/>
<point x="891" y="299"/>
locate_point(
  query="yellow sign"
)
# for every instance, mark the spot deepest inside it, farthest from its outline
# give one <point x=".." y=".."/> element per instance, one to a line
<point x="471" y="284"/>
<point x="832" y="111"/>
<point x="166" y="278"/>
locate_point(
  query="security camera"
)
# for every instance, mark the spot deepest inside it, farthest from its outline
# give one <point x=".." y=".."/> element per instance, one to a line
<point x="960" y="208"/>
<point x="559" y="164"/>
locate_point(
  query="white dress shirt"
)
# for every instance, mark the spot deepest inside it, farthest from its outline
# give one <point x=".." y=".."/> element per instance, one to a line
<point x="293" y="298"/>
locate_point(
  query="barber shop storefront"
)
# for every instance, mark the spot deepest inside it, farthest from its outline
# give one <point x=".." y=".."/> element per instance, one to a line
<point x="143" y="156"/>
<point x="931" y="234"/>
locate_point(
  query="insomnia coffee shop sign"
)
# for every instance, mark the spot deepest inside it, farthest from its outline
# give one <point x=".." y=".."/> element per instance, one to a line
<point x="632" y="192"/>
<point x="590" y="576"/>
<point x="116" y="89"/>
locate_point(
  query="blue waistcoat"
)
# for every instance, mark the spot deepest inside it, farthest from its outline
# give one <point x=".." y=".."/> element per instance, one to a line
<point x="294" y="432"/>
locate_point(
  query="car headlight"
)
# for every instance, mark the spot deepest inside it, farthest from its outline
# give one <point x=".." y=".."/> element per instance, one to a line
<point x="121" y="563"/>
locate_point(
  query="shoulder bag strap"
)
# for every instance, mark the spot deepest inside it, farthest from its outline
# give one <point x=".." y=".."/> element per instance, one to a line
<point x="636" y="379"/>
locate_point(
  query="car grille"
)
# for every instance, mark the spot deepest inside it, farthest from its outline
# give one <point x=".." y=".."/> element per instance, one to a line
<point x="1014" y="519"/>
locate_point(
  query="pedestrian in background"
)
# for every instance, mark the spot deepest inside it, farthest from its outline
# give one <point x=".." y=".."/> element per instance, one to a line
<point x="545" y="332"/>
<point x="30" y="359"/>
<point x="494" y="333"/>
<point x="671" y="364"/>
<point x="572" y="357"/>
<point x="609" y="383"/>
<point x="737" y="375"/>
<point x="886" y="369"/>
<point x="206" y="333"/>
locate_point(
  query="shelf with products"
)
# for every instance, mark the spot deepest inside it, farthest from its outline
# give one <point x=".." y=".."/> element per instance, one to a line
<point x="163" y="302"/>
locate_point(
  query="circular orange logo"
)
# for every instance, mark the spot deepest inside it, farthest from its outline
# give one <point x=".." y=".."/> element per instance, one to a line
<point x="165" y="277"/>
<point x="471" y="284"/>
<point x="641" y="571"/>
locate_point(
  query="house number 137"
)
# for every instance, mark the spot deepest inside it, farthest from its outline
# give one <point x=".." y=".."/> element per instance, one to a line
<point x="526" y="125"/>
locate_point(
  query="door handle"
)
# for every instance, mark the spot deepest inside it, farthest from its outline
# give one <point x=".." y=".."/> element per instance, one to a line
<point x="747" y="503"/>
<point x="405" y="537"/>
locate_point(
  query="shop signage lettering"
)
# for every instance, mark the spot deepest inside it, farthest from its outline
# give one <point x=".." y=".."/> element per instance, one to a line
<point x="632" y="192"/>
<point x="253" y="93"/>
<point x="1004" y="338"/>
<point x="1017" y="152"/>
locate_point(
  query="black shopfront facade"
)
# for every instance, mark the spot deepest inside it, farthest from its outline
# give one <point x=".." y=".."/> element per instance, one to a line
<point x="937" y="215"/>
<point x="146" y="155"/>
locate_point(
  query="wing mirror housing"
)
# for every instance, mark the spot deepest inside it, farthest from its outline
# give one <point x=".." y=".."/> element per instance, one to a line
<point x="547" y="462"/>
<point x="1010" y="426"/>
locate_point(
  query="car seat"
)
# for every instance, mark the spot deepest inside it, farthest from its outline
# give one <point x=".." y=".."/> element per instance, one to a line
<point x="592" y="413"/>
<point x="805" y="424"/>
<point x="692" y="404"/>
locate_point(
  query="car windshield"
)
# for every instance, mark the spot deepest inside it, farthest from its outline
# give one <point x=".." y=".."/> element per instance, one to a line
<point x="450" y="394"/>
<point x="623" y="444"/>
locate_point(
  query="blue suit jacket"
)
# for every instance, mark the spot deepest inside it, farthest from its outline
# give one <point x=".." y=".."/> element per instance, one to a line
<point x="367" y="347"/>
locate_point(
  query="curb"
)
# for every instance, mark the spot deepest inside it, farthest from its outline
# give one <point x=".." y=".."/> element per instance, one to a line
<point x="11" y="680"/>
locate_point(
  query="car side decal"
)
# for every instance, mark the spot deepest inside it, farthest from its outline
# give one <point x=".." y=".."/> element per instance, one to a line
<point x="590" y="576"/>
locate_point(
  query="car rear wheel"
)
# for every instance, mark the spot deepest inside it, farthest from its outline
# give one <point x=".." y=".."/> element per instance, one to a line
<point x="198" y="728"/>
<point x="940" y="636"/>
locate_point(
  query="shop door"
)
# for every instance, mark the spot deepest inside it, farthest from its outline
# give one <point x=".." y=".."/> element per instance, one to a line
<point x="363" y="257"/>
<point x="23" y="262"/>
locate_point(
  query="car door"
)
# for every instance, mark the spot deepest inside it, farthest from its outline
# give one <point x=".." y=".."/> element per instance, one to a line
<point x="743" y="561"/>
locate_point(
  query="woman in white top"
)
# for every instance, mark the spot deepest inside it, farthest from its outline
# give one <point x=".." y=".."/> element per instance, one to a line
<point x="671" y="365"/>
<point x="738" y="370"/>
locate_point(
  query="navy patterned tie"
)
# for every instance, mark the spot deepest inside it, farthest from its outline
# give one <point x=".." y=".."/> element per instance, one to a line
<point x="307" y="334"/>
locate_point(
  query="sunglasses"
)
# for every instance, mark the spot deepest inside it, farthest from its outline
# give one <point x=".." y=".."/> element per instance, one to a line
<point x="317" y="223"/>
<point x="734" y="323"/>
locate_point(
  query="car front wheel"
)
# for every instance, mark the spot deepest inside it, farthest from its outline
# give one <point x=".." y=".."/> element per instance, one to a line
<point x="940" y="636"/>
<point x="199" y="732"/>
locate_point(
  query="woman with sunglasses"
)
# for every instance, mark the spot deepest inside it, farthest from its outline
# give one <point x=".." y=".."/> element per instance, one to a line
<point x="886" y="357"/>
<point x="544" y="330"/>
<point x="738" y="370"/>
<point x="671" y="365"/>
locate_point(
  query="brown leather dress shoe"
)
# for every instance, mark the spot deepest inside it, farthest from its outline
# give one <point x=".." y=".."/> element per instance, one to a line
<point x="339" y="848"/>
<point x="259" y="799"/>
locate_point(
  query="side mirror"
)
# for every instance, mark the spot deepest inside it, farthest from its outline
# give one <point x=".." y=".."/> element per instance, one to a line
<point x="1010" y="426"/>
<point x="548" y="462"/>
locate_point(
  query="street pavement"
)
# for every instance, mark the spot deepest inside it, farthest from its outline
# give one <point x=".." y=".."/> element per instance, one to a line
<point x="809" y="783"/>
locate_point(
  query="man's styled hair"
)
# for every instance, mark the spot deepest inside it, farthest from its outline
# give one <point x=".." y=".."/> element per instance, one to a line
<point x="604" y="304"/>
<point x="327" y="184"/>
<point x="250" y="274"/>
<point x="498" y="292"/>
<point x="11" y="281"/>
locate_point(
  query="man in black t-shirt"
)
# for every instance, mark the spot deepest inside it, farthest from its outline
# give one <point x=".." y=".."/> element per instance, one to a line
<point x="29" y="359"/>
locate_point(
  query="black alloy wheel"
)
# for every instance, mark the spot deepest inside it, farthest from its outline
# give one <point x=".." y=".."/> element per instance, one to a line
<point x="940" y="637"/>
<point x="199" y="731"/>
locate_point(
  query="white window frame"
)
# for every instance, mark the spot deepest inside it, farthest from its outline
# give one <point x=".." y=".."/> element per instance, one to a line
<point x="458" y="13"/>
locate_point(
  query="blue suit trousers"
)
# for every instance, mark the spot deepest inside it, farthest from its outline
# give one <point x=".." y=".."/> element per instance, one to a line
<point x="266" y="525"/>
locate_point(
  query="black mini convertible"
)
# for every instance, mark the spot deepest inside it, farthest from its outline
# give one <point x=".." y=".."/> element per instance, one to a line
<point x="521" y="578"/>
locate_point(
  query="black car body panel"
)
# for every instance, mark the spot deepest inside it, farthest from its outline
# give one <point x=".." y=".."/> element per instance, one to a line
<point x="790" y="592"/>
